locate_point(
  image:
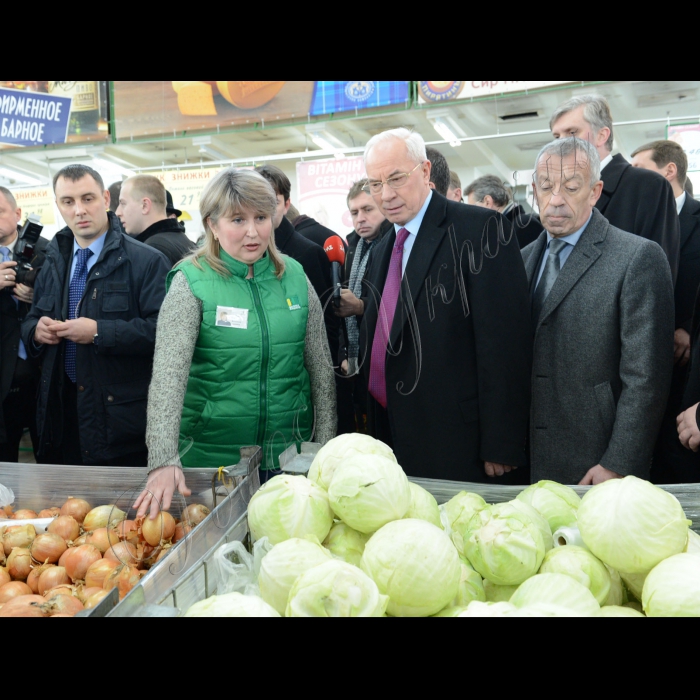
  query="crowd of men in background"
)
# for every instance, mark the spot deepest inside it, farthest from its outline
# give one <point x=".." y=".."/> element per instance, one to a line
<point x="563" y="368"/>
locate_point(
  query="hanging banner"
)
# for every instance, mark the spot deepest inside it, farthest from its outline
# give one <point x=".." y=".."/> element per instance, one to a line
<point x="323" y="187"/>
<point x="688" y="137"/>
<point x="45" y="112"/>
<point x="36" y="200"/>
<point x="173" y="107"/>
<point x="434" y="92"/>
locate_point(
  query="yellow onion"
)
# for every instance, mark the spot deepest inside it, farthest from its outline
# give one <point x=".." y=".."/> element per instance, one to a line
<point x="98" y="572"/>
<point x="19" y="564"/>
<point x="122" y="553"/>
<point x="162" y="528"/>
<point x="62" y="604"/>
<point x="52" y="577"/>
<point x="24" y="606"/>
<point x="47" y="548"/>
<point x="66" y="527"/>
<point x="83" y="539"/>
<point x="128" y="530"/>
<point x="14" y="589"/>
<point x="95" y="599"/>
<point x="76" y="508"/>
<point x="181" y="531"/>
<point x="18" y="536"/>
<point x="34" y="574"/>
<point x="124" y="578"/>
<point x="194" y="514"/>
<point x="103" y="516"/>
<point x="102" y="538"/>
<point x="4" y="576"/>
<point x="59" y="590"/>
<point x="52" y="512"/>
<point x="26" y="514"/>
<point x="83" y="593"/>
<point x="79" y="559"/>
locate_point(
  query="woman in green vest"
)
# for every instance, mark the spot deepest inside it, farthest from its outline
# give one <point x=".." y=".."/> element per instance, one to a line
<point x="241" y="354"/>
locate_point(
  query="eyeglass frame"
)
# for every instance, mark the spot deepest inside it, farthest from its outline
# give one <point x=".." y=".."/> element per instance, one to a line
<point x="368" y="188"/>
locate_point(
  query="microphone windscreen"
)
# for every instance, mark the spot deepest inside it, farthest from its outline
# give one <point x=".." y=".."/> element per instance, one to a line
<point x="335" y="250"/>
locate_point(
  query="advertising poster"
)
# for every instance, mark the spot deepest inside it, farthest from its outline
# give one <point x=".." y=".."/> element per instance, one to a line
<point x="48" y="112"/>
<point x="323" y="187"/>
<point x="155" y="107"/>
<point x="36" y="200"/>
<point x="436" y="92"/>
<point x="688" y="136"/>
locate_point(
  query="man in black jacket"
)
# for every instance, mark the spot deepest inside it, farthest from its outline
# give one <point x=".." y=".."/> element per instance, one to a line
<point x="490" y="192"/>
<point x="633" y="199"/>
<point x="448" y="341"/>
<point x="311" y="229"/>
<point x="311" y="256"/>
<point x="668" y="159"/>
<point x="370" y="227"/>
<point x="142" y="211"/>
<point x="18" y="374"/>
<point x="93" y="326"/>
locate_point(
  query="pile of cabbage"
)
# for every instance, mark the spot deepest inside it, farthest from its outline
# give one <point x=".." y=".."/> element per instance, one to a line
<point x="357" y="539"/>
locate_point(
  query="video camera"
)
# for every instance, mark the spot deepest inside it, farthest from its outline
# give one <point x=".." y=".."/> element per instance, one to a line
<point x="24" y="250"/>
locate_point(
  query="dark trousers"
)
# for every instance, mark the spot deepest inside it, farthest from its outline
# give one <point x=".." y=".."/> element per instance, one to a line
<point x="71" y="448"/>
<point x="19" y="410"/>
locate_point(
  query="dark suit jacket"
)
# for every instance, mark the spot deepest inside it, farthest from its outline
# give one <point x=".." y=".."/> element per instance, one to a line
<point x="318" y="269"/>
<point x="527" y="226"/>
<point x="458" y="375"/>
<point x="689" y="265"/>
<point x="641" y="202"/>
<point x="311" y="229"/>
<point x="11" y="317"/>
<point x="603" y="356"/>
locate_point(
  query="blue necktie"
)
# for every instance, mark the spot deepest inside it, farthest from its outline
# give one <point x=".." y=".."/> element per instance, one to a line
<point x="75" y="294"/>
<point x="7" y="257"/>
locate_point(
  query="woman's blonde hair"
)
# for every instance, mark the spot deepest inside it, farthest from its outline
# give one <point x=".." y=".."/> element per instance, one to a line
<point x="233" y="191"/>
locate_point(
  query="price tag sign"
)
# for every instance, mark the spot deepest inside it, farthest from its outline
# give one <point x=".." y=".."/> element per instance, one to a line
<point x="37" y="200"/>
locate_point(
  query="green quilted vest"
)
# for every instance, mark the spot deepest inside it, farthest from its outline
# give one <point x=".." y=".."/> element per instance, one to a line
<point x="248" y="384"/>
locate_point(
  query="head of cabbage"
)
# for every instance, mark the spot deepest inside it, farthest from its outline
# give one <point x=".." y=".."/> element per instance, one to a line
<point x="346" y="544"/>
<point x="289" y="506"/>
<point x="632" y="525"/>
<point x="416" y="565"/>
<point x="283" y="564"/>
<point x="335" y="589"/>
<point x="581" y="565"/>
<point x="456" y="515"/>
<point x="339" y="448"/>
<point x="232" y="605"/>
<point x="558" y="594"/>
<point x="558" y="504"/>
<point x="505" y="545"/>
<point x="672" y="588"/>
<point x="369" y="491"/>
<point x="423" y="505"/>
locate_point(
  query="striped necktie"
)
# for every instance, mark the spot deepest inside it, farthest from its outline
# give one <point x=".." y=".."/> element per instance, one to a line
<point x="75" y="294"/>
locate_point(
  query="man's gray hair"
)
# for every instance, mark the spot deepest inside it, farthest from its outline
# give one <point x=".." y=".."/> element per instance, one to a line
<point x="414" y="143"/>
<point x="596" y="111"/>
<point x="9" y="197"/>
<point x="492" y="186"/>
<point x="565" y="147"/>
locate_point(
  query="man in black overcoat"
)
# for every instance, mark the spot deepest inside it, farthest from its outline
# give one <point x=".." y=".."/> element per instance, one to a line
<point x="449" y="378"/>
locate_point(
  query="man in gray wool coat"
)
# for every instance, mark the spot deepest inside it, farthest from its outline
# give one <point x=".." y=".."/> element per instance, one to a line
<point x="603" y="317"/>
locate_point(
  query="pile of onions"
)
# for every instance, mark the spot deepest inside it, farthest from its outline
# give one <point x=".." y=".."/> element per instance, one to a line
<point x="84" y="554"/>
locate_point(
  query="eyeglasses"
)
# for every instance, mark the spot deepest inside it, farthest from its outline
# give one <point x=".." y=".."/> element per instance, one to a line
<point x="396" y="182"/>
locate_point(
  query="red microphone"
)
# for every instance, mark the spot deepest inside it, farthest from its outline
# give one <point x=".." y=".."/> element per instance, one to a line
<point x="335" y="250"/>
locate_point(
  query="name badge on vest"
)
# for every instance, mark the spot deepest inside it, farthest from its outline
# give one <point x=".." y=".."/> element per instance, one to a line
<point x="293" y="303"/>
<point x="230" y="317"/>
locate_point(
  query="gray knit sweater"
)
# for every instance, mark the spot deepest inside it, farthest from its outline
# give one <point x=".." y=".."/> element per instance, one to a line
<point x="178" y="329"/>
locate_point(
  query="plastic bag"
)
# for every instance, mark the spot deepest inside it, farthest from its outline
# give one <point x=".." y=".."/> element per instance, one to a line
<point x="7" y="496"/>
<point x="237" y="569"/>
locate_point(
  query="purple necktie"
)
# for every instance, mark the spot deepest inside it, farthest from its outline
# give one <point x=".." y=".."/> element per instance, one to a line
<point x="385" y="319"/>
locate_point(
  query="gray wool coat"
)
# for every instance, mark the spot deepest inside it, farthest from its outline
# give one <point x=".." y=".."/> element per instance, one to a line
<point x="603" y="355"/>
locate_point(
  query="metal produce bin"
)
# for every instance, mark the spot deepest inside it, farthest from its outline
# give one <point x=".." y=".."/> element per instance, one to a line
<point x="39" y="486"/>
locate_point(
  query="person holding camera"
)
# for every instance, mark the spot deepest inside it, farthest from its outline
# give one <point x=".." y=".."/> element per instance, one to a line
<point x="18" y="374"/>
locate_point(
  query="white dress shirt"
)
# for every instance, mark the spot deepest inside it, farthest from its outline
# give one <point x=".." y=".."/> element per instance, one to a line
<point x="680" y="202"/>
<point x="412" y="227"/>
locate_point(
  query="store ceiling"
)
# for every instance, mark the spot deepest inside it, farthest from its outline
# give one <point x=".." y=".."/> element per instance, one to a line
<point x="503" y="142"/>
